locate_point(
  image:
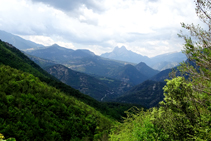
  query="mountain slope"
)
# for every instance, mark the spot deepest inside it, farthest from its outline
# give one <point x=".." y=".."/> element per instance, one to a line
<point x="9" y="55"/>
<point x="148" y="94"/>
<point x="161" y="76"/>
<point x="128" y="74"/>
<point x="43" y="63"/>
<point x="86" y="84"/>
<point x="30" y="109"/>
<point x="18" y="42"/>
<point x="146" y="70"/>
<point x="94" y="65"/>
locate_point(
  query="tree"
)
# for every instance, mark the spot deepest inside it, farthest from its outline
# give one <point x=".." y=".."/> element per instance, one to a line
<point x="188" y="101"/>
<point x="198" y="52"/>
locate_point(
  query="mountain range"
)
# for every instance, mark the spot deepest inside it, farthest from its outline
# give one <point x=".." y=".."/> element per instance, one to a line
<point x="160" y="62"/>
<point x="55" y="93"/>
<point x="86" y="62"/>
<point x="102" y="78"/>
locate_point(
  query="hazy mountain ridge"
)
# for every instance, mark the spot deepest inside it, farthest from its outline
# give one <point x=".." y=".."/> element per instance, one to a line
<point x="19" y="42"/>
<point x="60" y="54"/>
<point x="160" y="62"/>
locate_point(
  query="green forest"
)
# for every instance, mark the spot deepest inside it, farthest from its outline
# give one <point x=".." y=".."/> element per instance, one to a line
<point x="36" y="106"/>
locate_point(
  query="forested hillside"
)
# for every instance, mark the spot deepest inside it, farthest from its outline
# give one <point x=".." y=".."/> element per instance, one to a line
<point x="30" y="109"/>
<point x="36" y="105"/>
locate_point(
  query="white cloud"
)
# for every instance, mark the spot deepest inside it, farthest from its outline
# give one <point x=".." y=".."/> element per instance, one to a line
<point x="148" y="27"/>
<point x="47" y="41"/>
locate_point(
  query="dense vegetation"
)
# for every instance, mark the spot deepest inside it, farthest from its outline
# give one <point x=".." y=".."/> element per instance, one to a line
<point x="30" y="109"/>
<point x="186" y="110"/>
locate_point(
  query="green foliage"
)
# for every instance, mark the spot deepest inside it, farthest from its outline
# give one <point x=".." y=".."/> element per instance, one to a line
<point x="30" y="109"/>
<point x="117" y="110"/>
<point x="9" y="139"/>
<point x="137" y="126"/>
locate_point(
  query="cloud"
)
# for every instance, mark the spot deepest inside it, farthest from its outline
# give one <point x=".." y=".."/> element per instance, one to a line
<point x="73" y="5"/>
<point x="148" y="27"/>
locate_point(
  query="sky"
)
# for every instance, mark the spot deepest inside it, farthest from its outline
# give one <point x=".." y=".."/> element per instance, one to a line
<point x="147" y="27"/>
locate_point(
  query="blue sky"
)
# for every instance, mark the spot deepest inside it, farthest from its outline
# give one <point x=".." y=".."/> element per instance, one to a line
<point x="147" y="27"/>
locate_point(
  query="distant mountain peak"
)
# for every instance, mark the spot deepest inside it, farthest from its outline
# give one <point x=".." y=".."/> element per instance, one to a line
<point x="141" y="64"/>
<point x="121" y="49"/>
<point x="55" y="46"/>
<point x="125" y="55"/>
